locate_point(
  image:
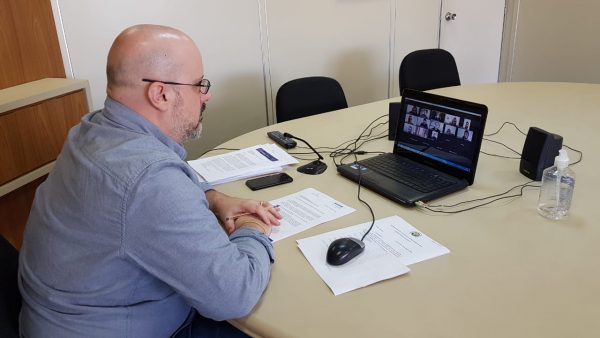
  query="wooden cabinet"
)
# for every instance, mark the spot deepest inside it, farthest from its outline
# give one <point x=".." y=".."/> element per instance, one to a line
<point x="29" y="47"/>
<point x="34" y="120"/>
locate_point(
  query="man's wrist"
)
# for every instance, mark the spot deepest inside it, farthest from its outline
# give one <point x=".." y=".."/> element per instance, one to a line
<point x="251" y="222"/>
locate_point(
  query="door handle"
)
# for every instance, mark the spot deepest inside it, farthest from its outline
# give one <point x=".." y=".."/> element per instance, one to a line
<point x="450" y="16"/>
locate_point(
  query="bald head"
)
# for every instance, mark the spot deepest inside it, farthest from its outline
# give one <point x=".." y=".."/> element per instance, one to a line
<point x="148" y="51"/>
<point x="171" y="97"/>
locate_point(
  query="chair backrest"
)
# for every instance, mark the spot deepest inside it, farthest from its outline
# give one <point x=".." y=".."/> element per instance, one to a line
<point x="308" y="96"/>
<point x="428" y="69"/>
<point x="10" y="298"/>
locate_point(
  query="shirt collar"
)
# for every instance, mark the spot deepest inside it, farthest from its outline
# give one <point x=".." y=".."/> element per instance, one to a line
<point x="129" y="119"/>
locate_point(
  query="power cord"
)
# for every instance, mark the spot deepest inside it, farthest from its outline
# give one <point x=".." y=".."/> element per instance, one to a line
<point x="422" y="205"/>
<point x="516" y="152"/>
<point x="502" y="126"/>
<point x="370" y="136"/>
<point x="505" y="146"/>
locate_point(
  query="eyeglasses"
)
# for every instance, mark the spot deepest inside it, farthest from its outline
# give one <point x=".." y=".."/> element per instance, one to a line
<point x="203" y="85"/>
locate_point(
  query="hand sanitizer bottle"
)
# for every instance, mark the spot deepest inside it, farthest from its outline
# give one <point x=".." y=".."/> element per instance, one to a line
<point x="557" y="187"/>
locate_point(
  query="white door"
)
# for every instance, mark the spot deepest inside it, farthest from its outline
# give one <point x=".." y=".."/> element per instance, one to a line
<point x="472" y="31"/>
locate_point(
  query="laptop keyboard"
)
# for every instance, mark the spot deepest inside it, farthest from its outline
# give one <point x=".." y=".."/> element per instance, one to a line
<point x="407" y="172"/>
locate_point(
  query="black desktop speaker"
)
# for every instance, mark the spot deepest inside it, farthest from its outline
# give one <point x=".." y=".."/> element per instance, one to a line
<point x="395" y="108"/>
<point x="539" y="151"/>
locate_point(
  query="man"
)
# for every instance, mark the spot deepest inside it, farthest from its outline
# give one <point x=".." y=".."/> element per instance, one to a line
<point x="466" y="125"/>
<point x="123" y="240"/>
<point x="466" y="135"/>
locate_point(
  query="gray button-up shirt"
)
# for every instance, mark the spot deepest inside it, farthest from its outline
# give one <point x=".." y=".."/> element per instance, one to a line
<point x="120" y="241"/>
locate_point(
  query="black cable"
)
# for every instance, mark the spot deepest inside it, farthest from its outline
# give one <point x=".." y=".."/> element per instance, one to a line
<point x="376" y="137"/>
<point x="368" y="206"/>
<point x="346" y="151"/>
<point x="502" y="126"/>
<point x="504" y="145"/>
<point x="358" y="152"/>
<point x="482" y="198"/>
<point x="363" y="201"/>
<point x="516" y="152"/>
<point x="350" y="141"/>
<point x="502" y="156"/>
<point x="523" y="186"/>
<point x="351" y="152"/>
<point x="577" y="151"/>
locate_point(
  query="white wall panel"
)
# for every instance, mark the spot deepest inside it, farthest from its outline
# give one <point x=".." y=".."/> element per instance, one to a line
<point x="416" y="27"/>
<point x="555" y="41"/>
<point x="227" y="32"/>
<point x="348" y="40"/>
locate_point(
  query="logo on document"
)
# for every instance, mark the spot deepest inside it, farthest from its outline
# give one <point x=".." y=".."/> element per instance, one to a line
<point x="415" y="233"/>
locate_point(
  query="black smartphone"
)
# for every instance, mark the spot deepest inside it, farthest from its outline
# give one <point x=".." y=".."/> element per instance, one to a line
<point x="268" y="181"/>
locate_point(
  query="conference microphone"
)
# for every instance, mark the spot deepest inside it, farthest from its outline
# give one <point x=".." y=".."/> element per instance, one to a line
<point x="315" y="167"/>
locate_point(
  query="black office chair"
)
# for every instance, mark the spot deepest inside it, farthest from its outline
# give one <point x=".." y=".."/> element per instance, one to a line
<point x="428" y="69"/>
<point x="10" y="298"/>
<point x="308" y="96"/>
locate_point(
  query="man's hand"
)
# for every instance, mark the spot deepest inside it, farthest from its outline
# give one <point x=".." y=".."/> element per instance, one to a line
<point x="228" y="209"/>
<point x="252" y="222"/>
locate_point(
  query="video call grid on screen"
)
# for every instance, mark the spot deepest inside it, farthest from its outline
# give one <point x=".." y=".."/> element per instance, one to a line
<point x="448" y="130"/>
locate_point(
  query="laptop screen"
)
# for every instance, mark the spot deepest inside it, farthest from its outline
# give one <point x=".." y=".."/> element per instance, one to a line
<point x="441" y="132"/>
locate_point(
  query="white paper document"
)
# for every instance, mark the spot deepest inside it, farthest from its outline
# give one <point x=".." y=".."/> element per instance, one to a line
<point x="391" y="245"/>
<point x="249" y="162"/>
<point x="304" y="210"/>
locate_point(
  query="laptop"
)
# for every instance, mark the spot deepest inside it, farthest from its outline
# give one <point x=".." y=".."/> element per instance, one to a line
<point x="435" y="153"/>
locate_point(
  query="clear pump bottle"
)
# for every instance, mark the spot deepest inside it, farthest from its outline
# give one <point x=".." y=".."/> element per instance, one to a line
<point x="557" y="187"/>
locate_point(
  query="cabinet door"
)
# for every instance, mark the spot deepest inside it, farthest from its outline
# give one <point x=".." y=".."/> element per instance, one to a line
<point x="472" y="31"/>
<point x="227" y="32"/>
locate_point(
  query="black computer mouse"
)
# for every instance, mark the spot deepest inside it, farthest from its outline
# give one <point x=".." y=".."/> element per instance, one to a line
<point x="342" y="250"/>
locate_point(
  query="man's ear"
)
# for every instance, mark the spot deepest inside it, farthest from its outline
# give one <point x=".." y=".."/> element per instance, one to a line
<point x="158" y="96"/>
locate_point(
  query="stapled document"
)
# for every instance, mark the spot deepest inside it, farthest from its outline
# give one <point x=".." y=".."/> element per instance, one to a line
<point x="236" y="165"/>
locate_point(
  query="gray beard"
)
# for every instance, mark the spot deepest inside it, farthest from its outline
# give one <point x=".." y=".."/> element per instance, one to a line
<point x="192" y="134"/>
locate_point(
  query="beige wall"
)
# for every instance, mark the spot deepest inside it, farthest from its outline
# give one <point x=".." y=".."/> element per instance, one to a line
<point x="552" y="40"/>
<point x="250" y="48"/>
<point x="230" y="41"/>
